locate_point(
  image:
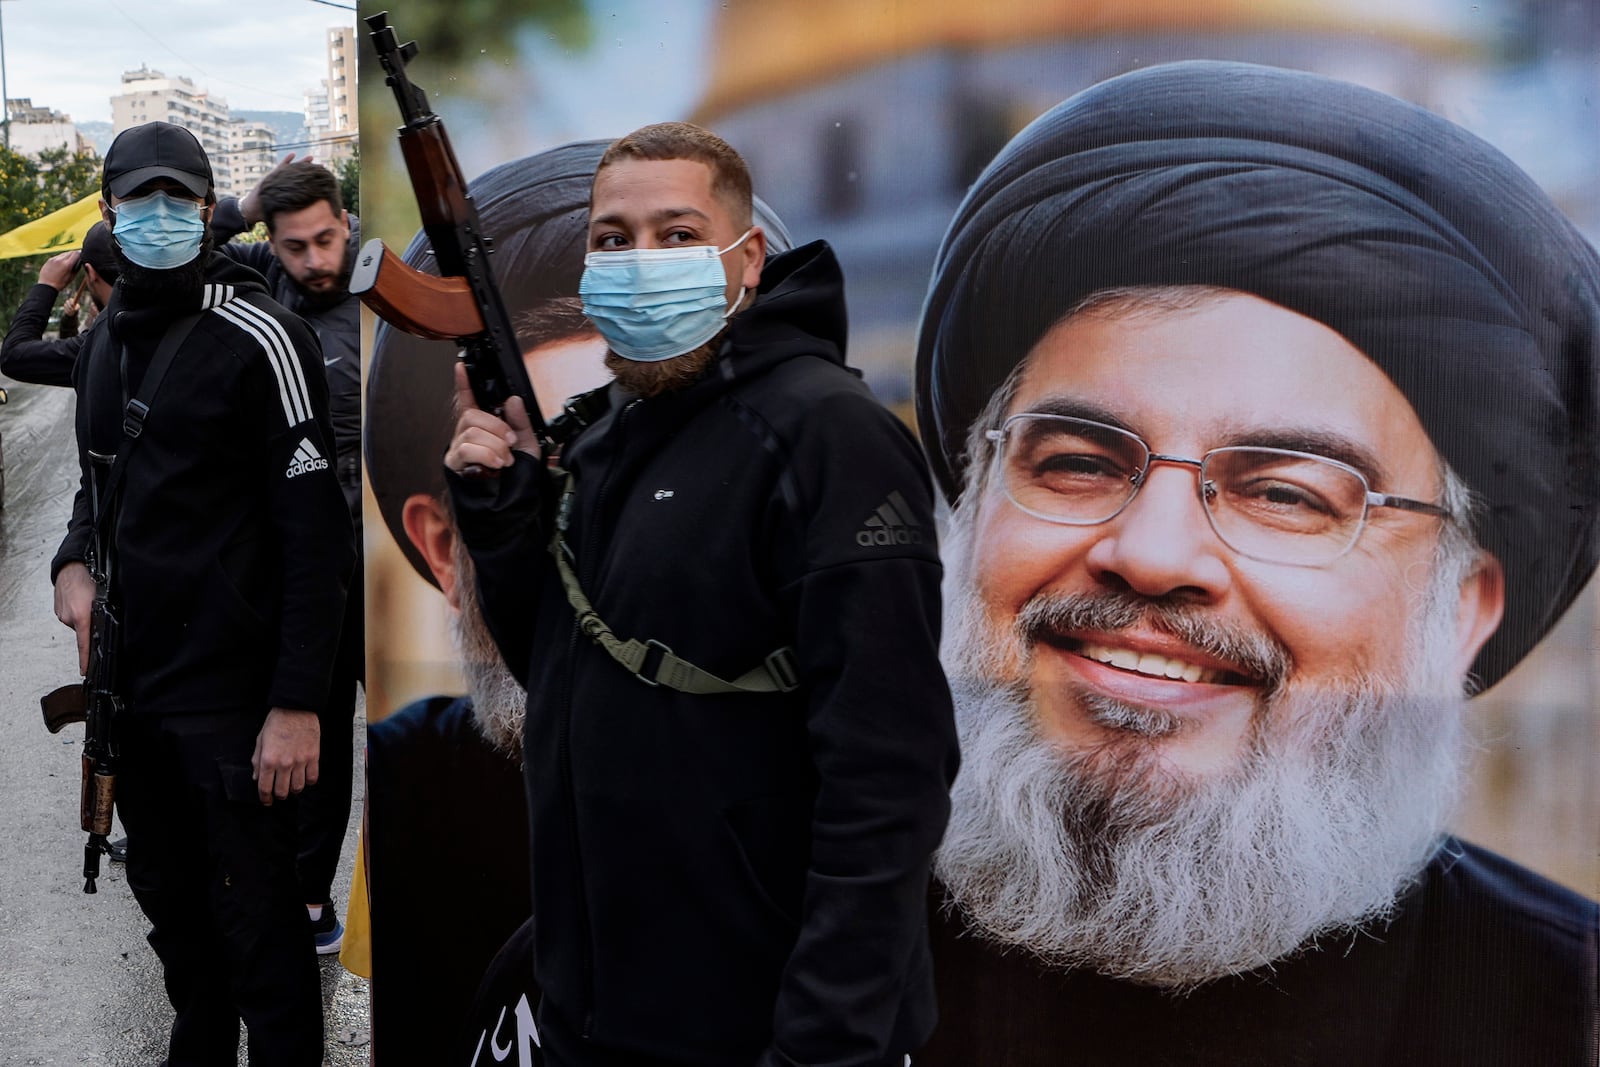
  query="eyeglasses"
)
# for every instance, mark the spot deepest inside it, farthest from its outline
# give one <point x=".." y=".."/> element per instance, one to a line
<point x="1268" y="504"/>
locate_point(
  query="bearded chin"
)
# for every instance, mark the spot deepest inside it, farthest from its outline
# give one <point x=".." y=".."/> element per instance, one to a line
<point x="1113" y="861"/>
<point x="146" y="285"/>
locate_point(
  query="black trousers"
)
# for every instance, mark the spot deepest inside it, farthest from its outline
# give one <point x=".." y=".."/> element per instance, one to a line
<point x="214" y="872"/>
<point x="325" y="807"/>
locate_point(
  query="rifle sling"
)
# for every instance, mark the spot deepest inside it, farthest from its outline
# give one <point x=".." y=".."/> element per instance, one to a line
<point x="775" y="674"/>
<point x="135" y="411"/>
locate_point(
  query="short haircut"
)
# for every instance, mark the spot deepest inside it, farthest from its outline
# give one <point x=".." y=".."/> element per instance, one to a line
<point x="297" y="187"/>
<point x="730" y="177"/>
<point x="98" y="253"/>
<point x="557" y="319"/>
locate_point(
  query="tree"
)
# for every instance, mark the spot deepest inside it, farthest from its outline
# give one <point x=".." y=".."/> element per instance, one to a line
<point x="66" y="177"/>
<point x="349" y="174"/>
<point x="482" y="30"/>
<point x="31" y="189"/>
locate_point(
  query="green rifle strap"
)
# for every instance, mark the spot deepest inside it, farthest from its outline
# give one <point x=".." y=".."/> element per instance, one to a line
<point x="775" y="674"/>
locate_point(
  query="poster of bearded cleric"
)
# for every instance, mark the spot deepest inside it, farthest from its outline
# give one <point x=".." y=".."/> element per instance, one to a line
<point x="1253" y="349"/>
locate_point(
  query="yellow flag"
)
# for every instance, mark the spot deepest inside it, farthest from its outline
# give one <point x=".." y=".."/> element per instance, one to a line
<point x="356" y="953"/>
<point x="56" y="232"/>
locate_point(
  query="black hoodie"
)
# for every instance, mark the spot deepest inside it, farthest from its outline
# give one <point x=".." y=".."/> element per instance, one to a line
<point x="233" y="544"/>
<point x="734" y="879"/>
<point x="334" y="317"/>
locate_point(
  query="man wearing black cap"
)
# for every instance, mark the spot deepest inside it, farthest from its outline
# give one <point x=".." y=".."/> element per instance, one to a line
<point x="26" y="355"/>
<point x="223" y="534"/>
<point x="1267" y="407"/>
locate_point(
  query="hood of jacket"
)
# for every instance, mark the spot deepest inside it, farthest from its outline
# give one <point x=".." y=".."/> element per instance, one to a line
<point x="799" y="310"/>
<point x="132" y="317"/>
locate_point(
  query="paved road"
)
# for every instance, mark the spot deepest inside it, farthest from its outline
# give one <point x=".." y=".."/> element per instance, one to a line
<point x="78" y="984"/>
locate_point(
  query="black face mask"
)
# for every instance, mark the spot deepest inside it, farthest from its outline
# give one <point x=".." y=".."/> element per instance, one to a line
<point x="144" y="285"/>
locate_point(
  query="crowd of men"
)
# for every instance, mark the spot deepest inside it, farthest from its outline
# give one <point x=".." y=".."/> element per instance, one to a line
<point x="1267" y="411"/>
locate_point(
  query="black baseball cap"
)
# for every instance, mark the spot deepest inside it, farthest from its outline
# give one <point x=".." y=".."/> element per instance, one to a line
<point x="156" y="150"/>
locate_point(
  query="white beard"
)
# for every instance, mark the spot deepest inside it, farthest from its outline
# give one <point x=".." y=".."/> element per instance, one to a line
<point x="499" y="704"/>
<point x="1110" y="860"/>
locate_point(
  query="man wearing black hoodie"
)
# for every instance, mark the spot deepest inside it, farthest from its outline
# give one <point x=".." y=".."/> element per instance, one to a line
<point x="311" y="244"/>
<point x="726" y="859"/>
<point x="229" y="549"/>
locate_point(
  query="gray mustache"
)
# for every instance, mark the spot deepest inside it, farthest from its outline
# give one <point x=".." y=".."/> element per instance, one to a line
<point x="1254" y="654"/>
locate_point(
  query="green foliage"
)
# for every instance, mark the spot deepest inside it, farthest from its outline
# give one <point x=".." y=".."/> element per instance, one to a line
<point x="481" y="29"/>
<point x="464" y="48"/>
<point x="254" y="235"/>
<point x="31" y="189"/>
<point x="65" y="178"/>
<point x="349" y="174"/>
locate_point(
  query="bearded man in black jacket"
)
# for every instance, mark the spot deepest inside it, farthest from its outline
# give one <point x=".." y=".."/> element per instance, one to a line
<point x="306" y="259"/>
<point x="728" y="861"/>
<point x="231" y="551"/>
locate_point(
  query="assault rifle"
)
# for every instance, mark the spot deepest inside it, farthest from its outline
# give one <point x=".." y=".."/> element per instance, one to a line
<point x="95" y="703"/>
<point x="463" y="304"/>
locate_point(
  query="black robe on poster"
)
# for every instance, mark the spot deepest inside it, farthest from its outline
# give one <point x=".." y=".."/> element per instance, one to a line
<point x="1485" y="965"/>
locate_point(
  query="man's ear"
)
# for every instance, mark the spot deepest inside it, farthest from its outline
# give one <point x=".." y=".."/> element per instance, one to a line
<point x="106" y="215"/>
<point x="754" y="253"/>
<point x="427" y="524"/>
<point x="1479" y="609"/>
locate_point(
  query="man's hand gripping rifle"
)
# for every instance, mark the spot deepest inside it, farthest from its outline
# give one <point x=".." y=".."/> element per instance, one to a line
<point x="464" y="304"/>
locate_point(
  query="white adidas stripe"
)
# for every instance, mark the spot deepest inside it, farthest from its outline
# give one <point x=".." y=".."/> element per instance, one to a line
<point x="274" y="340"/>
<point x="215" y="295"/>
<point x="291" y="361"/>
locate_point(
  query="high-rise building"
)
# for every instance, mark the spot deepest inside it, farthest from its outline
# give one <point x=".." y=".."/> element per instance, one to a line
<point x="241" y="151"/>
<point x="341" y="87"/>
<point x="331" y="107"/>
<point x="250" y="155"/>
<point x="150" y="96"/>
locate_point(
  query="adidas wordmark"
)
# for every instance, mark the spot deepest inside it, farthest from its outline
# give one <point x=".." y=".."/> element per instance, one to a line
<point x="306" y="458"/>
<point x="891" y="523"/>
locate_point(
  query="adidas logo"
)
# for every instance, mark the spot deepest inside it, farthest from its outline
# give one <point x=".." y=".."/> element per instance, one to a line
<point x="891" y="524"/>
<point x="306" y="459"/>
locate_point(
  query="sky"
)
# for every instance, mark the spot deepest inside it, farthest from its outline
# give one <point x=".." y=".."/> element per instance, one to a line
<point x="649" y="61"/>
<point x="255" y="54"/>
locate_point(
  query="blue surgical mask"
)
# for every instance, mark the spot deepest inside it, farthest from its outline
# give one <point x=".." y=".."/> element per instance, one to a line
<point x="652" y="304"/>
<point x="159" y="231"/>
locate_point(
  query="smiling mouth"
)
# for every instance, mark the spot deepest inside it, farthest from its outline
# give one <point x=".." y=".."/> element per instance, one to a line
<point x="1149" y="664"/>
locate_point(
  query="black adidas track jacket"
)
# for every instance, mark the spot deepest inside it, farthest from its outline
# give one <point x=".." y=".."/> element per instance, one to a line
<point x="234" y="546"/>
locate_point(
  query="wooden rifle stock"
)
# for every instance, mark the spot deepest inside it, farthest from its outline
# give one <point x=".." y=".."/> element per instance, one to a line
<point x="103" y="708"/>
<point x="400" y="295"/>
<point x="440" y="309"/>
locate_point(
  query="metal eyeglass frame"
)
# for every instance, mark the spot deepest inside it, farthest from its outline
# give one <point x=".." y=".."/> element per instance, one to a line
<point x="1205" y="489"/>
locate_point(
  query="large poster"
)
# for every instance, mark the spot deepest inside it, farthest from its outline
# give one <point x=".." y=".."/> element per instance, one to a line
<point x="870" y="125"/>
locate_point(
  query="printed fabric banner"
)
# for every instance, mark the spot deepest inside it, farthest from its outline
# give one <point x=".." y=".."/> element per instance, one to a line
<point x="58" y="231"/>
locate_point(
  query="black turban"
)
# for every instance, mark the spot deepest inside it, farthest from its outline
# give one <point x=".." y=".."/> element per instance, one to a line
<point x="536" y="210"/>
<point x="1417" y="242"/>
